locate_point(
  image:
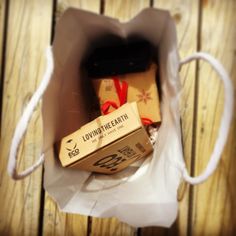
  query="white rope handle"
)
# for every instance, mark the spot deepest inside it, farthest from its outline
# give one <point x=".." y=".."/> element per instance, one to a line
<point x="23" y="123"/>
<point x="225" y="120"/>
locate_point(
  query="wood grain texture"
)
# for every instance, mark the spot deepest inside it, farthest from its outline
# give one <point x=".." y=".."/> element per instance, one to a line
<point x="123" y="10"/>
<point x="88" y="5"/>
<point x="60" y="223"/>
<point x="2" y="22"/>
<point x="185" y="14"/>
<point x="111" y="226"/>
<point x="56" y="222"/>
<point x="214" y="210"/>
<point x="28" y="31"/>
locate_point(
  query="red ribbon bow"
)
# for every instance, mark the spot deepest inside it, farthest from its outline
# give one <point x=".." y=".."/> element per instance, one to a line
<point x="121" y="90"/>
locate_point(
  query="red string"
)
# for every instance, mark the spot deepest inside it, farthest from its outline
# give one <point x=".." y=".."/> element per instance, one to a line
<point x="121" y="91"/>
<point x="107" y="105"/>
<point x="146" y="121"/>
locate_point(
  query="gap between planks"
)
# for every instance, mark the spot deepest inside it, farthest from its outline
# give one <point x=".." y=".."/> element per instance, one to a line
<point x="42" y="195"/>
<point x="194" y="127"/>
<point x="4" y="8"/>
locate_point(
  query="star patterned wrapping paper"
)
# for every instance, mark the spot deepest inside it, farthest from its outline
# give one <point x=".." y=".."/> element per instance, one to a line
<point x="142" y="89"/>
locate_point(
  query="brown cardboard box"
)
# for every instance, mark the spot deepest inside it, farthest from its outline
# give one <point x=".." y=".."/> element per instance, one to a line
<point x="108" y="144"/>
<point x="141" y="89"/>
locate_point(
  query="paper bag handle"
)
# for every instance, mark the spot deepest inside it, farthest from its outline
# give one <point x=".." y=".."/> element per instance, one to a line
<point x="225" y="120"/>
<point x="23" y="123"/>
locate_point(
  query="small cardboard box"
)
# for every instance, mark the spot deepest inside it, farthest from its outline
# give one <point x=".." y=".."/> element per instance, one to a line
<point x="142" y="89"/>
<point x="108" y="144"/>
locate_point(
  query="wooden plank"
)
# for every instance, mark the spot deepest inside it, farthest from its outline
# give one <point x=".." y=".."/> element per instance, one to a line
<point x="60" y="223"/>
<point x="56" y="222"/>
<point x="111" y="226"/>
<point x="123" y="10"/>
<point x="88" y="5"/>
<point x="28" y="31"/>
<point x="214" y="210"/>
<point x="185" y="14"/>
<point x="2" y="22"/>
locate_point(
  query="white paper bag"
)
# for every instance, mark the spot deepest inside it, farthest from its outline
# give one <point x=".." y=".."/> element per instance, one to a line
<point x="144" y="194"/>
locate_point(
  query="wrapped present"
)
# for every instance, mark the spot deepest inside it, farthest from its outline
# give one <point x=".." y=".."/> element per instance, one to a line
<point x="134" y="87"/>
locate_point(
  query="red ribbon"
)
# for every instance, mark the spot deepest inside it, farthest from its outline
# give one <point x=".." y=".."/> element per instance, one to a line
<point x="121" y="90"/>
<point x="146" y="121"/>
<point x="105" y="106"/>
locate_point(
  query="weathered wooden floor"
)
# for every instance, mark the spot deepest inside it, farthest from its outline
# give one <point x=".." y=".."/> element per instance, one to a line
<point x="26" y="28"/>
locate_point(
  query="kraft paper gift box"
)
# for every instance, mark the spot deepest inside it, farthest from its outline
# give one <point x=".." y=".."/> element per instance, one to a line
<point x="142" y="89"/>
<point x="107" y="144"/>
